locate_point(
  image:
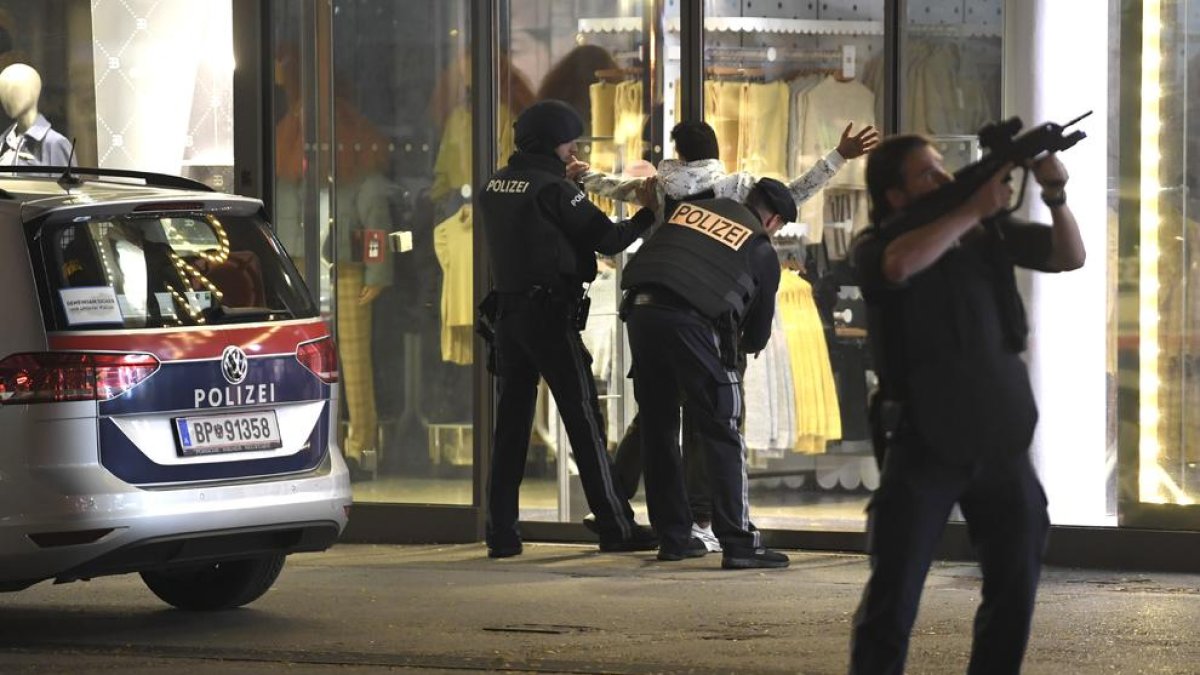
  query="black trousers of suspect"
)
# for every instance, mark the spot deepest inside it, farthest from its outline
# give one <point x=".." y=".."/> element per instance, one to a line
<point x="1005" y="509"/>
<point x="676" y="362"/>
<point x="628" y="462"/>
<point x="535" y="337"/>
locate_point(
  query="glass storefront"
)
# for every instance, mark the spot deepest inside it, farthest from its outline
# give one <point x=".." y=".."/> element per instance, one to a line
<point x="372" y="156"/>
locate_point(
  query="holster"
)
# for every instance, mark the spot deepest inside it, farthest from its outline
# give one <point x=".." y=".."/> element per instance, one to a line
<point x="886" y="416"/>
<point x="583" y="307"/>
<point x="485" y="326"/>
<point x="728" y="333"/>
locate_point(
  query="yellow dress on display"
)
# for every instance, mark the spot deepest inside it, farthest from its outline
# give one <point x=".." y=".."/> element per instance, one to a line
<point x="452" y="244"/>
<point x="818" y="417"/>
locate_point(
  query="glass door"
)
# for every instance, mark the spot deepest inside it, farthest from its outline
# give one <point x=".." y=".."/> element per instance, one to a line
<point x="373" y="174"/>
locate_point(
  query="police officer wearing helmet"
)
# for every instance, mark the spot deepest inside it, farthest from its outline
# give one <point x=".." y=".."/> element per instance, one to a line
<point x="542" y="237"/>
<point x="705" y="281"/>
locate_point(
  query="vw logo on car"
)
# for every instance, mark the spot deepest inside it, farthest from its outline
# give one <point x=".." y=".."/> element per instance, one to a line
<point x="234" y="364"/>
<point x="234" y="368"/>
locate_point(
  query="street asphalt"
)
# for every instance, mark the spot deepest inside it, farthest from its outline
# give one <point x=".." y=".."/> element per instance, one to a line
<point x="570" y="609"/>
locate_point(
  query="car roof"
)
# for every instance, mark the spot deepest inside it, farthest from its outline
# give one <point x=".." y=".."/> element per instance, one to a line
<point x="40" y="194"/>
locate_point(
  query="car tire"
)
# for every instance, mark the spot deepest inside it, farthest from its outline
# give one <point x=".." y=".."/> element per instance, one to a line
<point x="216" y="586"/>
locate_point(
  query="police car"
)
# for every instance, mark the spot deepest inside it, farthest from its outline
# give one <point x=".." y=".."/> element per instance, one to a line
<point x="167" y="390"/>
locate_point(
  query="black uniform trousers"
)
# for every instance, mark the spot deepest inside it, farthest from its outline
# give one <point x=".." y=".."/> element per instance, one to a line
<point x="1005" y="509"/>
<point x="536" y="337"/>
<point x="676" y="362"/>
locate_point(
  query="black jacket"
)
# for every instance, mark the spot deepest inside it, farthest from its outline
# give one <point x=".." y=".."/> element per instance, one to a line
<point x="541" y="229"/>
<point x="947" y="342"/>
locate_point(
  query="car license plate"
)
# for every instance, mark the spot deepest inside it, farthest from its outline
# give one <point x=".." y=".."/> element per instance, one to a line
<point x="241" y="432"/>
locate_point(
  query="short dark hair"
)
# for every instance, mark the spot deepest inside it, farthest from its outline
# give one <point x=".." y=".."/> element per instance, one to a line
<point x="884" y="170"/>
<point x="695" y="140"/>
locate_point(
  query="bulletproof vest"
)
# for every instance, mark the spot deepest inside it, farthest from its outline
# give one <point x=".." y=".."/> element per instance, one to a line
<point x="527" y="249"/>
<point x="701" y="253"/>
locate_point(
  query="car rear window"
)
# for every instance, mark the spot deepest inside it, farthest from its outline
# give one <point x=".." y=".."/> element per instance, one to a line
<point x="163" y="270"/>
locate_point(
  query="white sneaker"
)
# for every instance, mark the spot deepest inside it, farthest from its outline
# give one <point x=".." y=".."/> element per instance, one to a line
<point x="705" y="534"/>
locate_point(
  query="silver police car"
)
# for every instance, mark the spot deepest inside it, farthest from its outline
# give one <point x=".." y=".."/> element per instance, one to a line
<point x="167" y="390"/>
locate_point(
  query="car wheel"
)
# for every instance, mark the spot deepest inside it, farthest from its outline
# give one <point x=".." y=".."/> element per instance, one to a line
<point x="222" y="585"/>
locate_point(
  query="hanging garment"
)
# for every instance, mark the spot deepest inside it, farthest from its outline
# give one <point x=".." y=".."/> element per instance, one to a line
<point x="452" y="167"/>
<point x="818" y="416"/>
<point x="770" y="397"/>
<point x="603" y="155"/>
<point x="629" y="122"/>
<point x="453" y="244"/>
<point x="797" y="90"/>
<point x="829" y="107"/>
<point x="762" y="147"/>
<point x="723" y="111"/>
<point x="602" y="337"/>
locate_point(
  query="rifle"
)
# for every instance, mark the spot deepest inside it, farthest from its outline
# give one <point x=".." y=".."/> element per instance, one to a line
<point x="1003" y="145"/>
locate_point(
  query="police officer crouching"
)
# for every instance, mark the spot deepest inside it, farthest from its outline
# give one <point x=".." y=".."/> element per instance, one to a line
<point x="542" y="237"/>
<point x="703" y="282"/>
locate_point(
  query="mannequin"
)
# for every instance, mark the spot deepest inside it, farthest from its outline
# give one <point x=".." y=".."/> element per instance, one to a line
<point x="29" y="141"/>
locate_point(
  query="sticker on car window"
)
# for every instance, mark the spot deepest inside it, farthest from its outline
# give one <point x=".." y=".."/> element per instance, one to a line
<point x="134" y="308"/>
<point x="166" y="306"/>
<point x="200" y="300"/>
<point x="90" y="304"/>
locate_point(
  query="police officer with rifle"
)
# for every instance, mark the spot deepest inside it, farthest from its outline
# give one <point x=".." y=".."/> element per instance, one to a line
<point x="954" y="414"/>
<point x="542" y="238"/>
<point x="705" y="281"/>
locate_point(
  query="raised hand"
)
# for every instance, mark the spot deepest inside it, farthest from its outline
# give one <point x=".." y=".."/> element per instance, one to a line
<point x="859" y="144"/>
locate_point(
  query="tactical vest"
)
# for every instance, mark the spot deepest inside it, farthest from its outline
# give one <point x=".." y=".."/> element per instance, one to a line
<point x="701" y="253"/>
<point x="527" y="249"/>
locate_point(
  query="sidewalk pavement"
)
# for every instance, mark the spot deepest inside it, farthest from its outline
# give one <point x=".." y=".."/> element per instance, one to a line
<point x="569" y="609"/>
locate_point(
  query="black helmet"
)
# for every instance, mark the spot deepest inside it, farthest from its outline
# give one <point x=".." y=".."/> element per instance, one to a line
<point x="545" y="125"/>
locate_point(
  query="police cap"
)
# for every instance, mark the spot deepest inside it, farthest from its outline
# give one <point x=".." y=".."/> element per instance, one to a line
<point x="545" y="125"/>
<point x="777" y="197"/>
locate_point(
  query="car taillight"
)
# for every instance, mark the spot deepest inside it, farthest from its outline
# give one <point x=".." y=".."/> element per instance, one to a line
<point x="320" y="356"/>
<point x="49" y="377"/>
